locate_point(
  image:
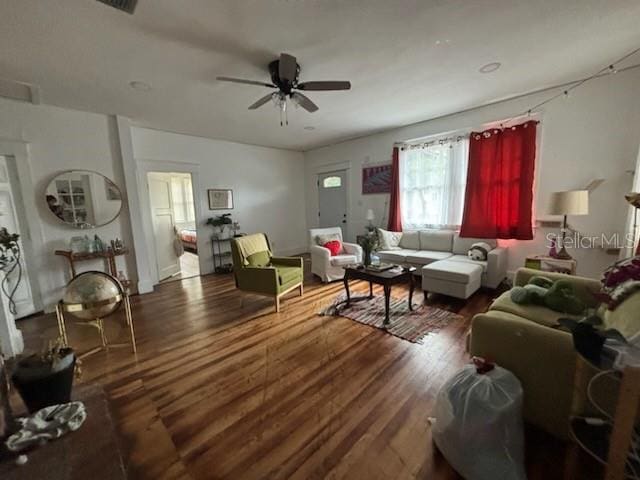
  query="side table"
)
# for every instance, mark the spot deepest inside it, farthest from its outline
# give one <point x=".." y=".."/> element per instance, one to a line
<point x="546" y="263"/>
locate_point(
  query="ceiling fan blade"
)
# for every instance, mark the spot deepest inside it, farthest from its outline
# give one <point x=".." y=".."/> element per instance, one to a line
<point x="288" y="67"/>
<point x="329" y="85"/>
<point x="246" y="82"/>
<point x="304" y="102"/>
<point x="261" y="102"/>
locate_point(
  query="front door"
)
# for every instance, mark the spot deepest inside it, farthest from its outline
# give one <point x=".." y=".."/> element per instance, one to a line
<point x="163" y="224"/>
<point x="332" y="200"/>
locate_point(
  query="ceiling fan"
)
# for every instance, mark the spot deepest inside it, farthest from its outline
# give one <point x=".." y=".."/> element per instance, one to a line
<point x="284" y="76"/>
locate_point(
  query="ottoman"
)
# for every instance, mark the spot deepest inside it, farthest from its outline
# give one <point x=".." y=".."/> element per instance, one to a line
<point x="457" y="279"/>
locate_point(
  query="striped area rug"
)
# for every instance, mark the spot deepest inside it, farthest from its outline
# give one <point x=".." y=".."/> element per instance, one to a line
<point x="413" y="326"/>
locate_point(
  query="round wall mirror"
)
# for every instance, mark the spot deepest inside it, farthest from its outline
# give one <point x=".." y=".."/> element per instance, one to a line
<point x="83" y="199"/>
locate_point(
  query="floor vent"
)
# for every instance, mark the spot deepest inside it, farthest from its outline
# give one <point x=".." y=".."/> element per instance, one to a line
<point x="125" y="5"/>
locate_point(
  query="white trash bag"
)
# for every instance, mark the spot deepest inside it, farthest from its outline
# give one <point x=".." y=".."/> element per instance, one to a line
<point x="478" y="423"/>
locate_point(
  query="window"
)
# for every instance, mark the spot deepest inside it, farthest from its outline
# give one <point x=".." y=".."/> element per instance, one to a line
<point x="432" y="185"/>
<point x="182" y="196"/>
<point x="332" y="182"/>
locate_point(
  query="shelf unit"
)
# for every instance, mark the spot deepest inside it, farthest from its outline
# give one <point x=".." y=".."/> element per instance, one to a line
<point x="221" y="255"/>
<point x="608" y="444"/>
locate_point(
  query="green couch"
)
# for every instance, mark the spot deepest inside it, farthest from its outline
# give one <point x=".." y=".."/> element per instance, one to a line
<point x="257" y="271"/>
<point x="525" y="340"/>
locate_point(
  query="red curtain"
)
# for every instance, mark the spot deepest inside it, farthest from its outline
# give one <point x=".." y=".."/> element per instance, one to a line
<point x="395" y="219"/>
<point x="499" y="194"/>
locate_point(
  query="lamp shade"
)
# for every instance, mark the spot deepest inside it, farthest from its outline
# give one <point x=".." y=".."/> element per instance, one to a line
<point x="572" y="202"/>
<point x="370" y="216"/>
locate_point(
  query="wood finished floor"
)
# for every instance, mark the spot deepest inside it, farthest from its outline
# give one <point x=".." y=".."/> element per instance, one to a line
<point x="222" y="387"/>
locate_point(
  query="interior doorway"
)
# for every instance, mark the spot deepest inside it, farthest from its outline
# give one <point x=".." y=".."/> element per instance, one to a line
<point x="173" y="219"/>
<point x="332" y="200"/>
<point x="18" y="284"/>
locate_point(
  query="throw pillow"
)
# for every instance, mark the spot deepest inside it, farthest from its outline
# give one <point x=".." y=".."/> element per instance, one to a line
<point x="479" y="251"/>
<point x="327" y="237"/>
<point x="334" y="246"/>
<point x="389" y="240"/>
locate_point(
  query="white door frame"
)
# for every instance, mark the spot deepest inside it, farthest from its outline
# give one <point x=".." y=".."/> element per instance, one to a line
<point x="33" y="241"/>
<point x="146" y="166"/>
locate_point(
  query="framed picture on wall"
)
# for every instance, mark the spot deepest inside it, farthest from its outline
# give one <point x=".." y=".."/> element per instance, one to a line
<point x="220" y="199"/>
<point x="376" y="179"/>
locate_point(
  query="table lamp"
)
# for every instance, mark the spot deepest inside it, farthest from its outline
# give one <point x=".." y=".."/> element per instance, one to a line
<point x="572" y="202"/>
<point x="370" y="218"/>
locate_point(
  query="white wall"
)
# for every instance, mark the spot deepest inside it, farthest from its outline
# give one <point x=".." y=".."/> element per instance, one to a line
<point x="267" y="184"/>
<point x="594" y="133"/>
<point x="58" y="140"/>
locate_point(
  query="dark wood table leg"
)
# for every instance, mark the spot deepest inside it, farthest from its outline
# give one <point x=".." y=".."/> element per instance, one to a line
<point x="370" y="289"/>
<point x="411" y="287"/>
<point x="387" y="295"/>
<point x="346" y="288"/>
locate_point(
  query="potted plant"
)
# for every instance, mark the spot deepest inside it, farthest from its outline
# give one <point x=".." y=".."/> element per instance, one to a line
<point x="10" y="265"/>
<point x="369" y="244"/>
<point x="45" y="378"/>
<point x="220" y="222"/>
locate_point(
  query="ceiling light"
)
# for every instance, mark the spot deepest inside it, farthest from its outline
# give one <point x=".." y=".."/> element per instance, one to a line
<point x="490" y="67"/>
<point x="139" y="85"/>
<point x="309" y="127"/>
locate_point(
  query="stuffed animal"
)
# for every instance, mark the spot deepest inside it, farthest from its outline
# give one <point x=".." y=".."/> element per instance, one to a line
<point x="479" y="251"/>
<point x="559" y="295"/>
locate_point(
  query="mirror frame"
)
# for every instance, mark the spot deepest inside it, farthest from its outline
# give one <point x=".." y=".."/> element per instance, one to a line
<point x="74" y="170"/>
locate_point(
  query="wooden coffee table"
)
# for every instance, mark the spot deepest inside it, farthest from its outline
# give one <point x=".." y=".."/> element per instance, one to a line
<point x="387" y="279"/>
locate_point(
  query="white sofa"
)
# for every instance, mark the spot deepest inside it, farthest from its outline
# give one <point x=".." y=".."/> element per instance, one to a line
<point x="325" y="266"/>
<point x="450" y="271"/>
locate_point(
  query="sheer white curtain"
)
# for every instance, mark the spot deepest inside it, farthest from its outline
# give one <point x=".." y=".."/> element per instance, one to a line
<point x="432" y="185"/>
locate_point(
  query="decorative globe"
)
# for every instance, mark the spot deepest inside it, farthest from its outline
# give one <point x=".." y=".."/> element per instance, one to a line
<point x="92" y="295"/>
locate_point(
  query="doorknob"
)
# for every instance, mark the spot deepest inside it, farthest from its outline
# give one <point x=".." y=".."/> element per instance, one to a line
<point x="344" y="221"/>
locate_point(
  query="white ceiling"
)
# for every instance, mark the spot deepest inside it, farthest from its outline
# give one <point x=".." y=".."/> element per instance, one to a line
<point x="407" y="60"/>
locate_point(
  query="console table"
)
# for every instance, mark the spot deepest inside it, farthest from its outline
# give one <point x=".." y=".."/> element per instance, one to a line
<point x="108" y="255"/>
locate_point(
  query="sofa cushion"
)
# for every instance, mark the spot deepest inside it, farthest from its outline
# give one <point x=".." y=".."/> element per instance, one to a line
<point x="534" y="313"/>
<point x="424" y="257"/>
<point x="288" y="274"/>
<point x="260" y="259"/>
<point x="464" y="258"/>
<point x="436" y="240"/>
<point x="462" y="245"/>
<point x="410" y="240"/>
<point x="395" y="256"/>
<point x="457" y="272"/>
<point x="389" y="240"/>
<point x="343" y="259"/>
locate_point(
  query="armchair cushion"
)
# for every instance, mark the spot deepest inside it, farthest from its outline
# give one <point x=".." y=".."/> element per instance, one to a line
<point x="288" y="275"/>
<point x="260" y="259"/>
<point x="339" y="260"/>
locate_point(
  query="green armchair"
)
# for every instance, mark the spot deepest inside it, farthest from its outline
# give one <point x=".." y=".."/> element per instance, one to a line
<point x="257" y="271"/>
